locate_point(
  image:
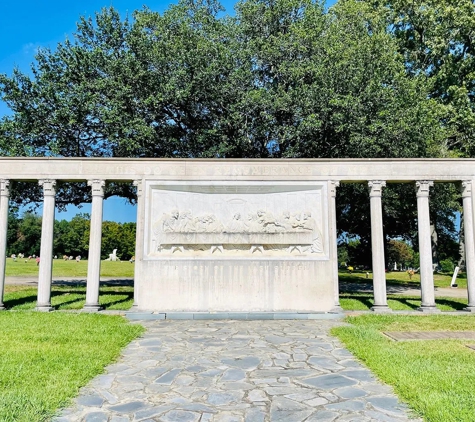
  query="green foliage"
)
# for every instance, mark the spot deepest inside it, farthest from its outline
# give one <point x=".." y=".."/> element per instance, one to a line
<point x="447" y="266"/>
<point x="436" y="39"/>
<point x="400" y="252"/>
<point x="24" y="234"/>
<point x="280" y="79"/>
<point x="71" y="238"/>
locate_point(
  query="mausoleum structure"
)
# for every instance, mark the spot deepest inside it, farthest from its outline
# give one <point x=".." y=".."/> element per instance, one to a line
<point x="238" y="236"/>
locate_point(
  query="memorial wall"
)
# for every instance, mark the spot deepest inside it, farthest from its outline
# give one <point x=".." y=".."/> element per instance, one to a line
<point x="223" y="236"/>
<point x="234" y="246"/>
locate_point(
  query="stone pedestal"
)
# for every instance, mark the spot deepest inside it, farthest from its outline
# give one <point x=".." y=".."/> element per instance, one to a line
<point x="95" y="237"/>
<point x="4" y="197"/>
<point x="377" y="247"/>
<point x="138" y="240"/>
<point x="332" y="186"/>
<point x="46" y="250"/>
<point x="467" y="186"/>
<point x="425" y="247"/>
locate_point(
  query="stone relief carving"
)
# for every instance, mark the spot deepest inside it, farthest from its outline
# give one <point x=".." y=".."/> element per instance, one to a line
<point x="255" y="233"/>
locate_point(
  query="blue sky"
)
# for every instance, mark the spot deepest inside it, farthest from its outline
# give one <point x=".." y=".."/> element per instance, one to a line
<point x="29" y="24"/>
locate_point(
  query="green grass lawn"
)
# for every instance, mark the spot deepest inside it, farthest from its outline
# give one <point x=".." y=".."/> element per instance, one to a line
<point x="68" y="297"/>
<point x="69" y="268"/>
<point x="399" y="302"/>
<point x="364" y="302"/>
<point x="435" y="377"/>
<point x="46" y="357"/>
<point x="402" y="278"/>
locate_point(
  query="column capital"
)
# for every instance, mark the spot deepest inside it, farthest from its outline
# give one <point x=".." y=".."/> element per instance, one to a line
<point x="48" y="186"/>
<point x="4" y="187"/>
<point x="422" y="187"/>
<point x="97" y="187"/>
<point x="139" y="185"/>
<point x="333" y="185"/>
<point x="376" y="187"/>
<point x="466" y="188"/>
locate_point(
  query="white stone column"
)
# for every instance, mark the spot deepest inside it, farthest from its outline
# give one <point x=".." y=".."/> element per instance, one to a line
<point x="138" y="240"/>
<point x="4" y="199"/>
<point x="46" y="250"/>
<point x="469" y="242"/>
<point x="332" y="185"/>
<point x="95" y="239"/>
<point x="377" y="247"/>
<point x="425" y="246"/>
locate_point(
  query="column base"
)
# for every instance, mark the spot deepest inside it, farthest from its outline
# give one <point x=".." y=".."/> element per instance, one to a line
<point x="44" y="308"/>
<point x="428" y="309"/>
<point x="382" y="309"/>
<point x="2" y="308"/>
<point x="92" y="308"/>
<point x="469" y="309"/>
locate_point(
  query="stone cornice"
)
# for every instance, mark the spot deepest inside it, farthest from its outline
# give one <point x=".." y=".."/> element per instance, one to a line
<point x="343" y="170"/>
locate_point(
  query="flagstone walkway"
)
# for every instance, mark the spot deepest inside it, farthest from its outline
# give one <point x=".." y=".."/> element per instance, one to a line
<point x="236" y="371"/>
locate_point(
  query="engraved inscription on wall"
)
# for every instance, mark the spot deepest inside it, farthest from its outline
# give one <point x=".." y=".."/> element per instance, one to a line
<point x="235" y="220"/>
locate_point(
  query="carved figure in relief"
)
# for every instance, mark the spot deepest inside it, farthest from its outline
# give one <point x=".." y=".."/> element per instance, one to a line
<point x="286" y="221"/>
<point x="237" y="225"/>
<point x="215" y="225"/>
<point x="252" y="223"/>
<point x="307" y="222"/>
<point x="171" y="222"/>
<point x="268" y="222"/>
<point x="187" y="223"/>
<point x="180" y="232"/>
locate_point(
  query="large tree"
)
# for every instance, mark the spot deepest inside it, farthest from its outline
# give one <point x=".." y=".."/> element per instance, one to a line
<point x="281" y="78"/>
<point x="437" y="40"/>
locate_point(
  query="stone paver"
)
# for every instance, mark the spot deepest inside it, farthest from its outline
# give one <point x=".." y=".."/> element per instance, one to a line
<point x="236" y="371"/>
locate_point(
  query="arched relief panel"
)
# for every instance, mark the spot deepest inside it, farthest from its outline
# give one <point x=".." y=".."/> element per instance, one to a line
<point x="236" y="220"/>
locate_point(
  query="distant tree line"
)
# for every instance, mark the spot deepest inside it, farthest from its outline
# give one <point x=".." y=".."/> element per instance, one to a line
<point x="71" y="238"/>
<point x="400" y="255"/>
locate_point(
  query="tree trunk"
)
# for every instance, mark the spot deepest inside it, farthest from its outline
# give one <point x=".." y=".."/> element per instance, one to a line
<point x="461" y="261"/>
<point x="435" y="244"/>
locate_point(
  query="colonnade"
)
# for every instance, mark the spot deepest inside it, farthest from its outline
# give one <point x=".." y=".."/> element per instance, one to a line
<point x="377" y="242"/>
<point x="425" y="245"/>
<point x="46" y="249"/>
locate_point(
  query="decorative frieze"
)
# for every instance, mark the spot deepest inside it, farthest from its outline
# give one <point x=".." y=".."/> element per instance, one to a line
<point x="200" y="220"/>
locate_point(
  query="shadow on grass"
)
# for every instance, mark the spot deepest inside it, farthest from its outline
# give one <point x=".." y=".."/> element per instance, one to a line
<point x="406" y="301"/>
<point x="106" y="283"/>
<point x="108" y="298"/>
<point x="364" y="299"/>
<point x="350" y="286"/>
<point x="398" y="303"/>
<point x="19" y="301"/>
<point x="458" y="306"/>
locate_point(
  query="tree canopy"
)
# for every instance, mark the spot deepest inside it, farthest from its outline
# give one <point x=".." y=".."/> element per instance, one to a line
<point x="281" y="78"/>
